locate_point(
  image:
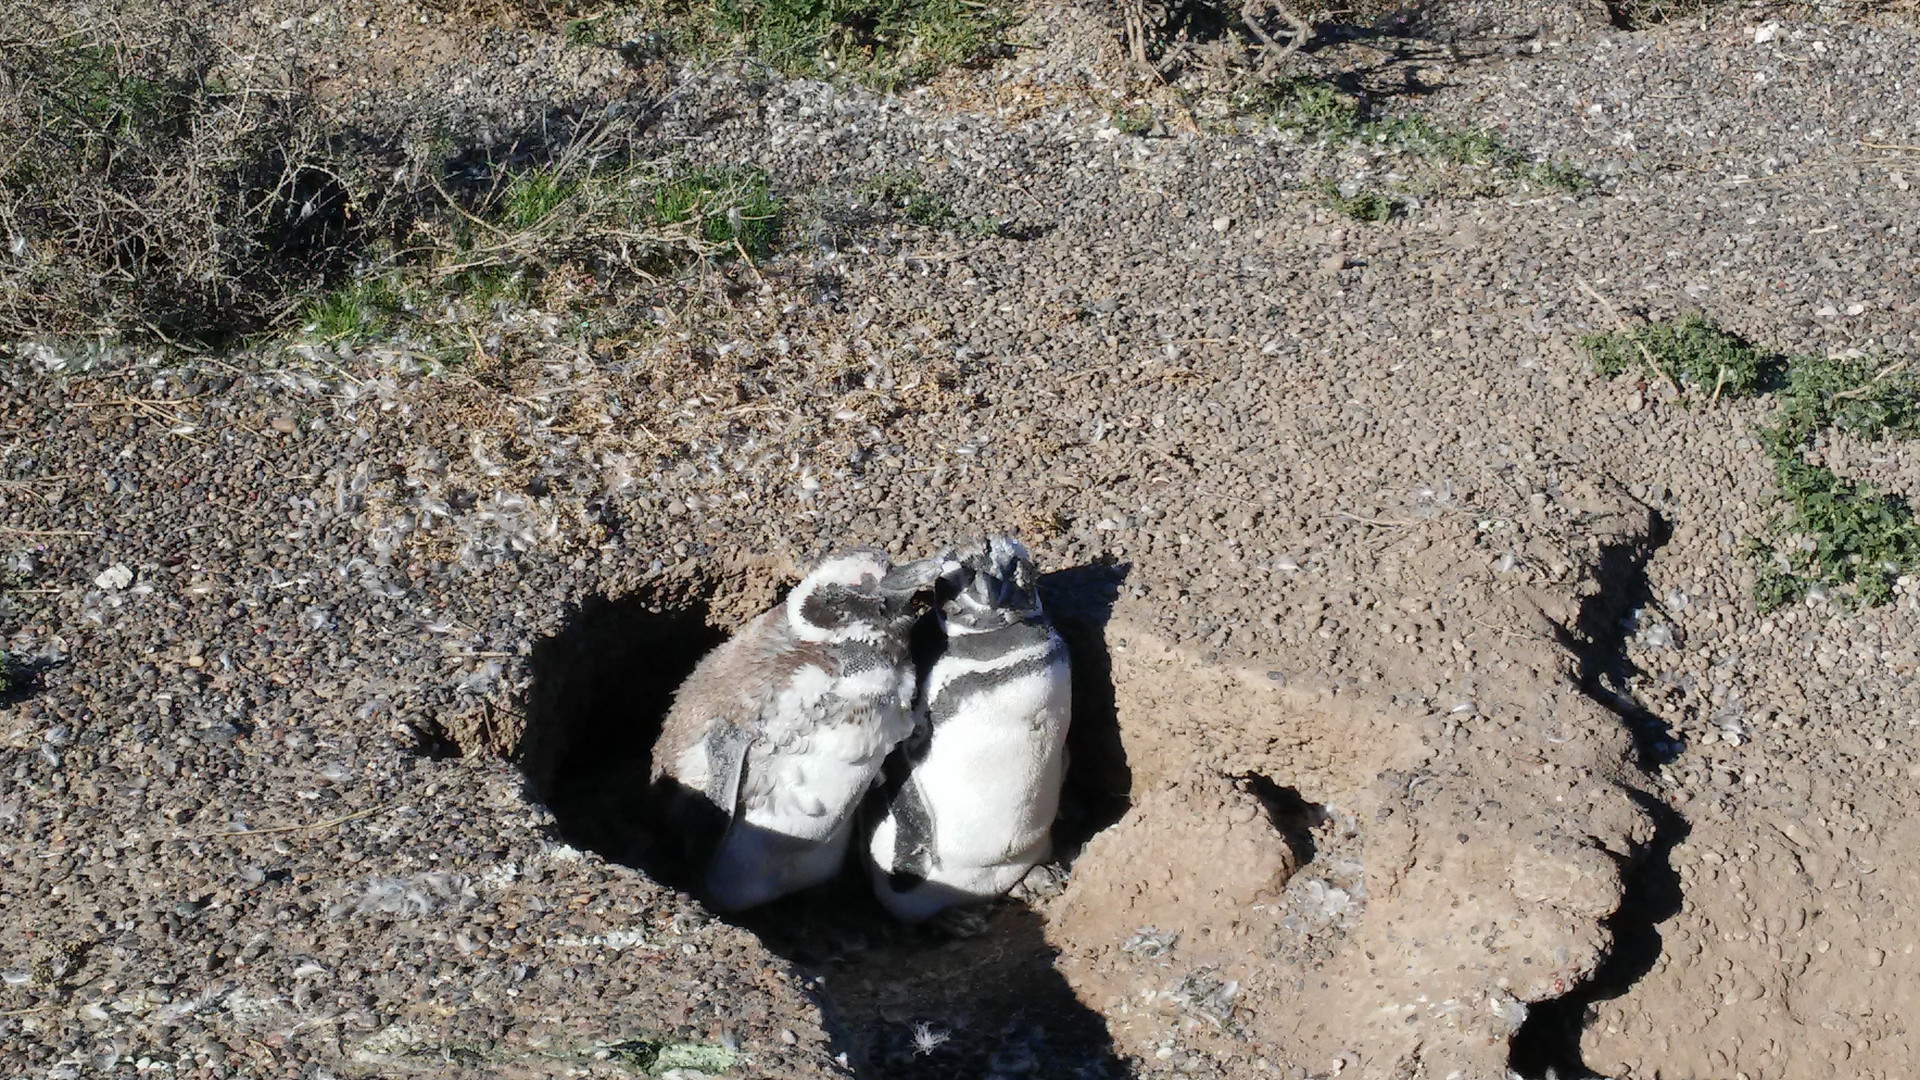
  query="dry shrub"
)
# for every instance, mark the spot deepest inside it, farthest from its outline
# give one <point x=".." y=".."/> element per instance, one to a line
<point x="149" y="192"/>
<point x="145" y="193"/>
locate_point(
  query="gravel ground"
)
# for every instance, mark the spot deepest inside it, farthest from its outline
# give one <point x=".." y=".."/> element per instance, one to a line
<point x="1339" y="506"/>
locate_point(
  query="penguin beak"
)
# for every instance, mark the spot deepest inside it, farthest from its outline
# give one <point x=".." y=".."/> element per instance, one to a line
<point x="912" y="582"/>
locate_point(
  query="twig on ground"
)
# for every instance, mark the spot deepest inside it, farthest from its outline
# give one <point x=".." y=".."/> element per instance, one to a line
<point x="1272" y="52"/>
<point x="1621" y="323"/>
<point x="1865" y="388"/>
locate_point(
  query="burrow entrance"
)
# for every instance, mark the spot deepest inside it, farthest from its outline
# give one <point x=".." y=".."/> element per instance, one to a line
<point x="1209" y="914"/>
<point x="908" y="1002"/>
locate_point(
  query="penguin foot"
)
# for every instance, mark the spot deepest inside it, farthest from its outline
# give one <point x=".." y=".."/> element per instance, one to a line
<point x="960" y="922"/>
<point x="1040" y="885"/>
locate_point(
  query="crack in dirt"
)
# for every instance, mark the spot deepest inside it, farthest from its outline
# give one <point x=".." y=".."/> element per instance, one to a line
<point x="1548" y="1042"/>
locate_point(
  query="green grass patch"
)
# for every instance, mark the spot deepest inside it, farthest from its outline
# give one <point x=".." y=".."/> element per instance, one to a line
<point x="360" y="309"/>
<point x="885" y="44"/>
<point x="905" y="196"/>
<point x="531" y="196"/>
<point x="1370" y="206"/>
<point x="1827" y="530"/>
<point x="726" y="206"/>
<point x="566" y="235"/>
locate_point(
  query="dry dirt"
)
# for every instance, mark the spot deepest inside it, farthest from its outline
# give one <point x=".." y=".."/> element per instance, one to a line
<point x="1380" y="767"/>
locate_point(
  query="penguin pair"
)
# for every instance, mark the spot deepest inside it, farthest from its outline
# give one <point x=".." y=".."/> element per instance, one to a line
<point x="818" y="707"/>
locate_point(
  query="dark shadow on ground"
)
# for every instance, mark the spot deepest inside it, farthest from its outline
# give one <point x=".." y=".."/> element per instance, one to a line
<point x="1599" y="633"/>
<point x="1548" y="1043"/>
<point x="905" y="1002"/>
<point x="1099" y="783"/>
<point x="21" y="678"/>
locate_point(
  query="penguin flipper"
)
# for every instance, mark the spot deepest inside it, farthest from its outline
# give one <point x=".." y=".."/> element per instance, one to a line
<point x="705" y="815"/>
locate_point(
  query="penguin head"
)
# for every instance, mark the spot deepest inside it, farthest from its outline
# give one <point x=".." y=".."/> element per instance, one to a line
<point x="859" y="596"/>
<point x="992" y="583"/>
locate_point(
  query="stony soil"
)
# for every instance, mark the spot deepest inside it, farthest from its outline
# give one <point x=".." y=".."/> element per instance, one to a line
<point x="1424" y="724"/>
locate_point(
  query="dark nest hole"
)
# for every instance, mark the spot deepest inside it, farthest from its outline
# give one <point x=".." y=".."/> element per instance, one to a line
<point x="1292" y="816"/>
<point x="905" y="1002"/>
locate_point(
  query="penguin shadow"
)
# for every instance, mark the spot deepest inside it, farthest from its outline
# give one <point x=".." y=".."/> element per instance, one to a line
<point x="1099" y="783"/>
<point x="902" y="1001"/>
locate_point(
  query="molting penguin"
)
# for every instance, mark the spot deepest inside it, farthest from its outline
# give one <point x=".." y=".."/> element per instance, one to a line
<point x="777" y="735"/>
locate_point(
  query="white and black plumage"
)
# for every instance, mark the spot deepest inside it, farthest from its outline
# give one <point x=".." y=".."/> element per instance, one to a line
<point x="778" y="734"/>
<point x="973" y="793"/>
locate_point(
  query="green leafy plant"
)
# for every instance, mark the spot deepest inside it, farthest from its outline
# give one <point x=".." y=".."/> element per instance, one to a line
<point x="906" y="195"/>
<point x="1688" y="350"/>
<point x="882" y="43"/>
<point x="1853" y="395"/>
<point x="1828" y="530"/>
<point x="1137" y="120"/>
<point x="1373" y="206"/>
<point x="1854" y="534"/>
<point x="657" y="1056"/>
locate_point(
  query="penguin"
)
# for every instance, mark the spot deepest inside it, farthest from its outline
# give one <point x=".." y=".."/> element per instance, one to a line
<point x="773" y="741"/>
<point x="971" y="795"/>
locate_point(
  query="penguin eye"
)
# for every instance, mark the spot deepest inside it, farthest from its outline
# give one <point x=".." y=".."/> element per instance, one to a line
<point x="834" y="607"/>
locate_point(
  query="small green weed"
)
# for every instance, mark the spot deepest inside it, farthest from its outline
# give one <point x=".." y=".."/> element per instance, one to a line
<point x="882" y="43"/>
<point x="1311" y="109"/>
<point x="1134" y="121"/>
<point x="1560" y="176"/>
<point x="587" y="30"/>
<point x="360" y="309"/>
<point x="1373" y="206"/>
<point x="906" y="195"/>
<point x="531" y="196"/>
<point x="1833" y="531"/>
<point x="657" y="1056"/>
<point x="1317" y="112"/>
<point x="727" y="206"/>
<point x="1689" y="351"/>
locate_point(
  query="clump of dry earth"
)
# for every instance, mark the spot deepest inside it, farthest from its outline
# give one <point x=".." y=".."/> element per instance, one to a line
<point x="1350" y="544"/>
